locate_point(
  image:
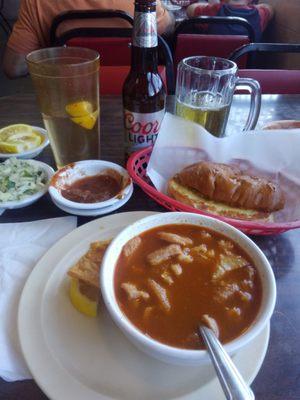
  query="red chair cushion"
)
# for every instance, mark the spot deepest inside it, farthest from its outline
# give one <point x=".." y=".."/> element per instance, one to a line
<point x="113" y="77"/>
<point x="115" y="60"/>
<point x="112" y="50"/>
<point x="208" y="45"/>
<point x="274" y="81"/>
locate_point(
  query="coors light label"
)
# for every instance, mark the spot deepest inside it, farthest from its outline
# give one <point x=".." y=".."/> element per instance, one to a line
<point x="145" y="30"/>
<point x="141" y="130"/>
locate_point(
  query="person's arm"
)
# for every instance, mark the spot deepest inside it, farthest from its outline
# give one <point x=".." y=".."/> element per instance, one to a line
<point x="14" y="64"/>
<point x="199" y="9"/>
<point x="266" y="13"/>
<point x="22" y="40"/>
<point x="165" y="20"/>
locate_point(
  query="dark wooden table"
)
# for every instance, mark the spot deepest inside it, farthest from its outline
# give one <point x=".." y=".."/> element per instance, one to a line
<point x="279" y="377"/>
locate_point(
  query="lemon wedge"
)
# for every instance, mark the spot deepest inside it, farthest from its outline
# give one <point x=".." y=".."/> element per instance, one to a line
<point x="7" y="147"/>
<point x="19" y="138"/>
<point x="79" y="108"/>
<point x="81" y="113"/>
<point x="81" y="302"/>
<point x="87" y="121"/>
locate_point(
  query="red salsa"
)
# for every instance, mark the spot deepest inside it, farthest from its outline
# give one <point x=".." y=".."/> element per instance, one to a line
<point x="92" y="189"/>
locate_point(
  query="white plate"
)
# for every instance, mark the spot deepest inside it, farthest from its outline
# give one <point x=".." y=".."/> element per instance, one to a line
<point x="75" y="357"/>
<point x="97" y="211"/>
<point x="30" y="153"/>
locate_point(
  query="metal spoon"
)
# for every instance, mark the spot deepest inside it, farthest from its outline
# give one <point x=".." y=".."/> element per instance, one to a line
<point x="233" y="384"/>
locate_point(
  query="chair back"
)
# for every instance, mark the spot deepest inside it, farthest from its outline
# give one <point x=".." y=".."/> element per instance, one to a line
<point x="259" y="48"/>
<point x="274" y="81"/>
<point x="113" y="45"/>
<point x="74" y="15"/>
<point x="191" y="38"/>
<point x="201" y="24"/>
<point x="251" y="15"/>
<point x="209" y="45"/>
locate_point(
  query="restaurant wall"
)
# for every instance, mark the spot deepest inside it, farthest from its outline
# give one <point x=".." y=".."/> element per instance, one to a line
<point x="284" y="28"/>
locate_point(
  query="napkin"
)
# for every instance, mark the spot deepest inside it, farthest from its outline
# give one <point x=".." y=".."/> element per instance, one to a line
<point x="21" y="246"/>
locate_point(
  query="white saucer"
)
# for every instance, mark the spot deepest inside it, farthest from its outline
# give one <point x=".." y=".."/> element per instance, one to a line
<point x="97" y="211"/>
<point x="30" y="153"/>
<point x="75" y="357"/>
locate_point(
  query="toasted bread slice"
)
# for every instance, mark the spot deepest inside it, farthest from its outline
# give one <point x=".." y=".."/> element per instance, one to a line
<point x="193" y="198"/>
<point x="87" y="267"/>
<point x="84" y="285"/>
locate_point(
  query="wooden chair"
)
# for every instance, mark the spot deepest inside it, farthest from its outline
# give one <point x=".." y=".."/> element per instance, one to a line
<point x="113" y="45"/>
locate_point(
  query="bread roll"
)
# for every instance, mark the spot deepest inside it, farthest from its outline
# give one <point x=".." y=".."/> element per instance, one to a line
<point x="194" y="199"/>
<point x="227" y="184"/>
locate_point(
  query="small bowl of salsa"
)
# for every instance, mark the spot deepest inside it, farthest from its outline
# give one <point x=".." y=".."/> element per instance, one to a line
<point x="90" y="185"/>
<point x="165" y="274"/>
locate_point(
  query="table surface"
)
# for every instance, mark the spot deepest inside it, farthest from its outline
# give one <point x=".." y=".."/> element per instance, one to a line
<point x="279" y="377"/>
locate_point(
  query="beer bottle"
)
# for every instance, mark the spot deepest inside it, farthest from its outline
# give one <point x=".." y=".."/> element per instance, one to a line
<point x="144" y="93"/>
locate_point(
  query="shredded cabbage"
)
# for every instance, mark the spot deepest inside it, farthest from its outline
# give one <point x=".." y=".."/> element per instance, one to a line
<point x="20" y="179"/>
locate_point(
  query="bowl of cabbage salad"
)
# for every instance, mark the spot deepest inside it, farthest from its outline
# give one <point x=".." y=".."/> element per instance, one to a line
<point x="22" y="182"/>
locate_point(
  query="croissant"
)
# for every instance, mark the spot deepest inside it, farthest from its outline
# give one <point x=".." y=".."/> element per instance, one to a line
<point x="227" y="184"/>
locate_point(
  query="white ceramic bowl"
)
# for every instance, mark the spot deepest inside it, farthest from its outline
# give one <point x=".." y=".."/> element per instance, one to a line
<point x="81" y="169"/>
<point x="30" y="153"/>
<point x="33" y="198"/>
<point x="95" y="212"/>
<point x="159" y="350"/>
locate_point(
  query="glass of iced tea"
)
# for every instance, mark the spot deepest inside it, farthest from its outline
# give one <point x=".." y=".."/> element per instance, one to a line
<point x="204" y="92"/>
<point x="66" y="80"/>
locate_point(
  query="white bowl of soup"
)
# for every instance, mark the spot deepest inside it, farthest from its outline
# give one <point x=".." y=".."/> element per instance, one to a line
<point x="165" y="274"/>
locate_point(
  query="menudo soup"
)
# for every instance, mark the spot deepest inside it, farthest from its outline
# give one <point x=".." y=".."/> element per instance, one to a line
<point x="170" y="278"/>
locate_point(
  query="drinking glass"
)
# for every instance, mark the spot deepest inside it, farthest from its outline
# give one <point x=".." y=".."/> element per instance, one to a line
<point x="66" y="80"/>
<point x="204" y="92"/>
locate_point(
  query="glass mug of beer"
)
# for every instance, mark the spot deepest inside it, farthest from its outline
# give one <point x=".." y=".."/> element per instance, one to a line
<point x="66" y="81"/>
<point x="204" y="92"/>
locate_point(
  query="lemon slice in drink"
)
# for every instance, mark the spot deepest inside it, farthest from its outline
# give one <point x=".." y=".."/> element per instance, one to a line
<point x="19" y="138"/>
<point x="81" y="113"/>
<point x="81" y="302"/>
<point x="79" y="108"/>
<point x="87" y="121"/>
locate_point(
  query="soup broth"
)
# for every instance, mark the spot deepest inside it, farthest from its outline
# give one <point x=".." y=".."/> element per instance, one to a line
<point x="170" y="278"/>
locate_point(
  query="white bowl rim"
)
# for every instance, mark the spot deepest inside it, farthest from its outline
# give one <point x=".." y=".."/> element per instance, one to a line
<point x="31" y="199"/>
<point x="183" y="354"/>
<point x="93" y="212"/>
<point x="55" y="193"/>
<point x="36" y="150"/>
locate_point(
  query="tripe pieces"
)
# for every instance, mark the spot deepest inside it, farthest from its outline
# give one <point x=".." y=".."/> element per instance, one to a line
<point x="174" y="238"/>
<point x="164" y="254"/>
<point x="179" y="275"/>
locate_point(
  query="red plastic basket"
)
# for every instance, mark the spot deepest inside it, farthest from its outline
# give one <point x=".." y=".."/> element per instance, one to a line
<point x="137" y="165"/>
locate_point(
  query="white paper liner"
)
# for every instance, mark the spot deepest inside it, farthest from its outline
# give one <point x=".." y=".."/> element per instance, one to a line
<point x="272" y="153"/>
